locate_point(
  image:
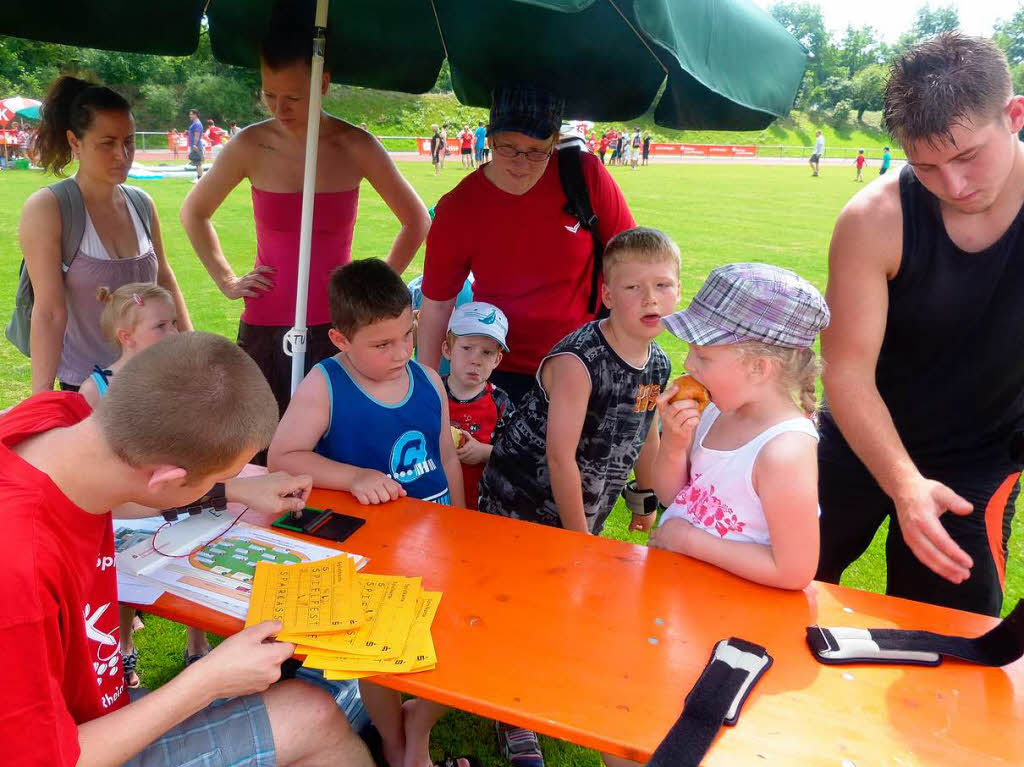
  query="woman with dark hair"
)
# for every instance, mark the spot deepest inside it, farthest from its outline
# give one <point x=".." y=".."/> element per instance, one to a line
<point x="121" y="240"/>
<point x="270" y="154"/>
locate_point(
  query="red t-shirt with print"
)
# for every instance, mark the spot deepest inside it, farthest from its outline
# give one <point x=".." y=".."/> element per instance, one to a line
<point x="484" y="417"/>
<point x="528" y="256"/>
<point x="58" y="600"/>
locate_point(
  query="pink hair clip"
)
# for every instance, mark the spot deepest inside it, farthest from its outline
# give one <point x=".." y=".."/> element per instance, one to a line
<point x="136" y="299"/>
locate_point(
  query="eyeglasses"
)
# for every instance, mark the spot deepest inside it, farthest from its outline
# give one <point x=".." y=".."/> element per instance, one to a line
<point x="509" y="152"/>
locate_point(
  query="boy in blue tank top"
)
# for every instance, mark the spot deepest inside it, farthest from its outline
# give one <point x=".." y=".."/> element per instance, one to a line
<point x="370" y="419"/>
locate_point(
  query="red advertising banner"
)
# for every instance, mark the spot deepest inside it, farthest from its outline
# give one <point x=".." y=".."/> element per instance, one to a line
<point x="657" y="149"/>
<point x="423" y="146"/>
<point x="704" y="150"/>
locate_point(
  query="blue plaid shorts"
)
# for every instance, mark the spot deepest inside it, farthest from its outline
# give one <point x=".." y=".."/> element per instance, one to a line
<point x="234" y="732"/>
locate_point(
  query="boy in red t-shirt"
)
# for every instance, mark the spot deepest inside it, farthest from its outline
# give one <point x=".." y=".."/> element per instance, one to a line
<point x="186" y="413"/>
<point x="860" y="165"/>
<point x="478" y="410"/>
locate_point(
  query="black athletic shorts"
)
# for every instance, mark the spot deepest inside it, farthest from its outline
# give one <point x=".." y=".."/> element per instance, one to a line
<point x="264" y="343"/>
<point x="853" y="506"/>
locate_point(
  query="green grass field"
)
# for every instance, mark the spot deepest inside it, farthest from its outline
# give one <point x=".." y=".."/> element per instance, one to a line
<point x="717" y="214"/>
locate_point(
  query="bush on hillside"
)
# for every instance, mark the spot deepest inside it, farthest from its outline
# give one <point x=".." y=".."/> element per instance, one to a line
<point x="219" y="99"/>
<point x="158" y="105"/>
<point x="839" y="117"/>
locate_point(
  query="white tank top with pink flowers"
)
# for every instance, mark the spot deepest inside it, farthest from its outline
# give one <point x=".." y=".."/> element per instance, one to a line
<point x="720" y="497"/>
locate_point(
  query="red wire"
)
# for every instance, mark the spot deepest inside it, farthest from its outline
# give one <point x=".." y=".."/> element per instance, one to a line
<point x="201" y="546"/>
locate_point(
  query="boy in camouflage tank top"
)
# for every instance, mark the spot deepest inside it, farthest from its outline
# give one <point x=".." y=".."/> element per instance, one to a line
<point x="576" y="435"/>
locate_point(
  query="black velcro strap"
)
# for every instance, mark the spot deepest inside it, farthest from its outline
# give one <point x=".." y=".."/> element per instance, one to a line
<point x="574" y="186"/>
<point x="716" y="699"/>
<point x="1001" y="646"/>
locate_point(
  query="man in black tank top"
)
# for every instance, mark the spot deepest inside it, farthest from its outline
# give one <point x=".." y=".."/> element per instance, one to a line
<point x="924" y="375"/>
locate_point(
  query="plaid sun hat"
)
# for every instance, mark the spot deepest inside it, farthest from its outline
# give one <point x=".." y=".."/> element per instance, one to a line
<point x="524" y="108"/>
<point x="752" y="302"/>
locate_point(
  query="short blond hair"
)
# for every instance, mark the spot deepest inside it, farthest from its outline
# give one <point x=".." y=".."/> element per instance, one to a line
<point x="451" y="338"/>
<point x="193" y="400"/>
<point x="121" y="306"/>
<point x="641" y="244"/>
<point x="798" y="370"/>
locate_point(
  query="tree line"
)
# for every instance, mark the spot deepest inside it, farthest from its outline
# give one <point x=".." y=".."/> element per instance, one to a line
<point x="845" y="75"/>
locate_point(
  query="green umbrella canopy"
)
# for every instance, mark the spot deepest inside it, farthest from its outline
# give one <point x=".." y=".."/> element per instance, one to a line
<point x="722" y="64"/>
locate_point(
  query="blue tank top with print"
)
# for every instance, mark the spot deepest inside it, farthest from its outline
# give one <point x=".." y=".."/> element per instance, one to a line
<point x="400" y="440"/>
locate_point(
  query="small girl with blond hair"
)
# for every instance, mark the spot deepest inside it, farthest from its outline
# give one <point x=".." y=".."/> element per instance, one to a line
<point x="135" y="316"/>
<point x="740" y="480"/>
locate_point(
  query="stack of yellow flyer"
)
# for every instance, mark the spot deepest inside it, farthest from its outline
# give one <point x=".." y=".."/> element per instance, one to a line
<point x="347" y="623"/>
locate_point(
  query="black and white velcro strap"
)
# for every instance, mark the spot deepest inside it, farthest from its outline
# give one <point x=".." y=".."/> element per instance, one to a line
<point x="716" y="699"/>
<point x="1002" y="645"/>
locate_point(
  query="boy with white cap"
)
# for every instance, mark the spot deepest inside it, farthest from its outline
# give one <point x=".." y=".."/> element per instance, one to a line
<point x="479" y="410"/>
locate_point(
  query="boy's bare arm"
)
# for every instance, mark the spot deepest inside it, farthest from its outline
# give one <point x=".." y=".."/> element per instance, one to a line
<point x="292" y="449"/>
<point x="449" y="458"/>
<point x="568" y="389"/>
<point x="430" y="330"/>
<point x="644" y="468"/>
<point x="644" y="474"/>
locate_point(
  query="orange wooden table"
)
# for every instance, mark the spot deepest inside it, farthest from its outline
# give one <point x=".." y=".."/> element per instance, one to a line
<point x="597" y="642"/>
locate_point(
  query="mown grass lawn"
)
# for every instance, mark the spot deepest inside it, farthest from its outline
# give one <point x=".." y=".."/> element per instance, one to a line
<point x="717" y="214"/>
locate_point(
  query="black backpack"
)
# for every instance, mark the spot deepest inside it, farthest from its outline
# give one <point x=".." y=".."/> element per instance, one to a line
<point x="574" y="185"/>
<point x="72" y="219"/>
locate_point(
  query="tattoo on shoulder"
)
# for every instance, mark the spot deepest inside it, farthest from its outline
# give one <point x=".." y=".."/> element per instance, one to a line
<point x="269" y="148"/>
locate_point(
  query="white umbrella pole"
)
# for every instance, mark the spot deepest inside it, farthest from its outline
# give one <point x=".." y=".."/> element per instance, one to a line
<point x="295" y="339"/>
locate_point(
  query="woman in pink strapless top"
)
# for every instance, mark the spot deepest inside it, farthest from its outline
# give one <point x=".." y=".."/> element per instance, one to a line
<point x="270" y="155"/>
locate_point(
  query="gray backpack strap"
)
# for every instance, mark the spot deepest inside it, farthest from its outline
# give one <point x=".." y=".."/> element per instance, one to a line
<point x="140" y="201"/>
<point x="72" y="222"/>
<point x="72" y="218"/>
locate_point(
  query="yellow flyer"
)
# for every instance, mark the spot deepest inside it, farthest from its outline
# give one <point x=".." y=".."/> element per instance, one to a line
<point x="419" y="654"/>
<point x="312" y="597"/>
<point x="389" y="603"/>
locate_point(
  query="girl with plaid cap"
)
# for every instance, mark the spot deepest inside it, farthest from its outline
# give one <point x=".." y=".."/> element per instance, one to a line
<point x="740" y="479"/>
